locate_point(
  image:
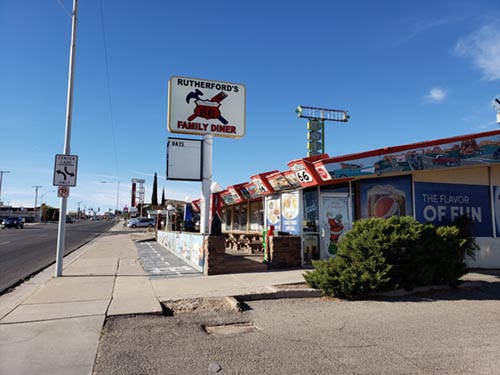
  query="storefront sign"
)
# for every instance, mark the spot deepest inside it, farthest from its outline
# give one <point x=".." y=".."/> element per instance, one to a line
<point x="184" y="159"/>
<point x="261" y="183"/>
<point x="442" y="204"/>
<point x="290" y="212"/>
<point x="304" y="172"/>
<point x="200" y="106"/>
<point x="250" y="190"/>
<point x="227" y="197"/>
<point x="292" y="179"/>
<point x="273" y="211"/>
<point x="237" y="198"/>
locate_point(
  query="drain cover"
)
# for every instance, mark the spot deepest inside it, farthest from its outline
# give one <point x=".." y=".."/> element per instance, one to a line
<point x="231" y="329"/>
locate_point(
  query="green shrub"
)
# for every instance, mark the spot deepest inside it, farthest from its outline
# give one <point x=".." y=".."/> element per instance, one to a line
<point x="383" y="254"/>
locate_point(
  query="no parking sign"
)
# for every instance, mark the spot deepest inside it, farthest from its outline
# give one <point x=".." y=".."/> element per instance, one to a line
<point x="63" y="192"/>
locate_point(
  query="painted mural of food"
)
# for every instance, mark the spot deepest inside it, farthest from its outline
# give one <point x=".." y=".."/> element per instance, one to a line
<point x="386" y="207"/>
<point x="385" y="201"/>
<point x="290" y="206"/>
<point x="273" y="212"/>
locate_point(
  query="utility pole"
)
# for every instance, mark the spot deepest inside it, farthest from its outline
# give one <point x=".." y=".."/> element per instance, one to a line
<point x="1" y="177"/>
<point x="67" y="141"/>
<point x="78" y="211"/>
<point x="36" y="199"/>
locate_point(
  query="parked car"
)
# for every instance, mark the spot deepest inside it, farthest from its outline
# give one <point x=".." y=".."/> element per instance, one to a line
<point x="13" y="222"/>
<point x="141" y="222"/>
<point x="446" y="160"/>
<point x="69" y="219"/>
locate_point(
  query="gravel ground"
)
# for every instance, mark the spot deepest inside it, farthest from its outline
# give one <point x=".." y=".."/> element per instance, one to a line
<point x="443" y="332"/>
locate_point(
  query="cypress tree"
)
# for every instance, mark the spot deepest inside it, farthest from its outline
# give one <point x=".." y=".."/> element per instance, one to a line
<point x="163" y="197"/>
<point x="154" y="196"/>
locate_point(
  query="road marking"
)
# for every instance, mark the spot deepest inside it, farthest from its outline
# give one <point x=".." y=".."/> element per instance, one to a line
<point x="4" y="243"/>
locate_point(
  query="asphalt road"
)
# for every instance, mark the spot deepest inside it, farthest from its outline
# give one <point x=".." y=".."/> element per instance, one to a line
<point x="449" y="332"/>
<point x="24" y="252"/>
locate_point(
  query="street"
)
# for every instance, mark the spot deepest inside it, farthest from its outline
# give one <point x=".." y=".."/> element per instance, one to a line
<point x="440" y="332"/>
<point x="29" y="250"/>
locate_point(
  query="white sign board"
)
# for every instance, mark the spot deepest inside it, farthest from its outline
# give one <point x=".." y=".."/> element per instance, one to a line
<point x="184" y="159"/>
<point x="65" y="168"/>
<point x="200" y="106"/>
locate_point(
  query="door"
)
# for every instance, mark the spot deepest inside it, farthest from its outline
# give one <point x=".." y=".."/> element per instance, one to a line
<point x="335" y="220"/>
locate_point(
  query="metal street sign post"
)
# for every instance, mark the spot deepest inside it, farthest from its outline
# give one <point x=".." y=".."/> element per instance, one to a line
<point x="61" y="232"/>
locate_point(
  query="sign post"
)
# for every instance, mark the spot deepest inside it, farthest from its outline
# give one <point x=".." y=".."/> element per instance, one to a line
<point x="207" y="108"/>
<point x="67" y="143"/>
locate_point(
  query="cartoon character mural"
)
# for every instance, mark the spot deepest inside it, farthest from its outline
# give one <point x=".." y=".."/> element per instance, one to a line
<point x="335" y="222"/>
<point x="336" y="227"/>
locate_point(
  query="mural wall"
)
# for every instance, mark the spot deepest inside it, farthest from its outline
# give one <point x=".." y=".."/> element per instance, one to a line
<point x="465" y="152"/>
<point x="187" y="246"/>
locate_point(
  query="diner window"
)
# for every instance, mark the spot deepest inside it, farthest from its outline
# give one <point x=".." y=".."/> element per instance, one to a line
<point x="240" y="217"/>
<point x="256" y="215"/>
<point x="311" y="213"/>
<point x="226" y="218"/>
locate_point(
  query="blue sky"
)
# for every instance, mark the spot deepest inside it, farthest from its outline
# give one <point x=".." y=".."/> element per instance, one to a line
<point x="405" y="71"/>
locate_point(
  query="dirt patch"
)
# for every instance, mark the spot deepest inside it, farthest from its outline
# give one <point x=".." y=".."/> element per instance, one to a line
<point x="292" y="286"/>
<point x="219" y="305"/>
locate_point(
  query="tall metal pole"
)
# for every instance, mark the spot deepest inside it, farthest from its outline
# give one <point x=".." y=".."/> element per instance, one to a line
<point x="117" y="199"/>
<point x="1" y="177"/>
<point x="36" y="199"/>
<point x="206" y="182"/>
<point x="67" y="142"/>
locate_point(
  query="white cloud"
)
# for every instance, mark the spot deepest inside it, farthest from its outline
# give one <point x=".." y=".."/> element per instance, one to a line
<point x="483" y="47"/>
<point x="436" y="95"/>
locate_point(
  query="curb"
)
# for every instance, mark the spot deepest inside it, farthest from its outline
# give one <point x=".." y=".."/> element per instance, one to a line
<point x="277" y="293"/>
<point x="424" y="289"/>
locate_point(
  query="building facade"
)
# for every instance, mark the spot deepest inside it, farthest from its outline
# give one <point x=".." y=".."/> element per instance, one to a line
<point x="318" y="198"/>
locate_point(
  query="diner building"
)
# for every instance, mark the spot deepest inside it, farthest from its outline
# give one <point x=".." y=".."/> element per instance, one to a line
<point x="318" y="198"/>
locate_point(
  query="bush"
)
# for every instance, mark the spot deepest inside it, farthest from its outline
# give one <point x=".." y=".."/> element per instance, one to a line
<point x="384" y="254"/>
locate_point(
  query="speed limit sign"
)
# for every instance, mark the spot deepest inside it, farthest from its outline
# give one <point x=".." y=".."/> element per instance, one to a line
<point x="63" y="191"/>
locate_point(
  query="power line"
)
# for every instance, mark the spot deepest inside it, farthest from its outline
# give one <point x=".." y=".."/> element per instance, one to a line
<point x="109" y="87"/>
<point x="62" y="6"/>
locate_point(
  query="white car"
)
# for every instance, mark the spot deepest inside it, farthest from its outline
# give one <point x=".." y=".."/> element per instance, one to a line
<point x="141" y="222"/>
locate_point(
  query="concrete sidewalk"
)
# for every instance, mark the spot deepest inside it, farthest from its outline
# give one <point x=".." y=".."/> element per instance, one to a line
<point x="52" y="325"/>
